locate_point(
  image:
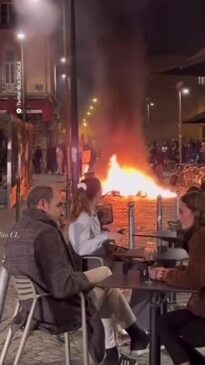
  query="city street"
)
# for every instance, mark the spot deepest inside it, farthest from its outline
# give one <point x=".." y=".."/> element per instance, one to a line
<point x="104" y="101"/>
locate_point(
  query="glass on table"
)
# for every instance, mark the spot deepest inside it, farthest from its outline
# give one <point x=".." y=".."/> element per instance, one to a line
<point x="150" y="256"/>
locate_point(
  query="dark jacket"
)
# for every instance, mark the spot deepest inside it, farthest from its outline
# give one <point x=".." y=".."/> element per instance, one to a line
<point x="36" y="249"/>
<point x="192" y="276"/>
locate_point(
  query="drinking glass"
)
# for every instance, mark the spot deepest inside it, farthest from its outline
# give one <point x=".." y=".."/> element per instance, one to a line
<point x="150" y="257"/>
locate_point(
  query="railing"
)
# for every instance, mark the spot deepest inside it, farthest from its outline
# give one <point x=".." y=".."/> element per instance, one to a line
<point x="132" y="224"/>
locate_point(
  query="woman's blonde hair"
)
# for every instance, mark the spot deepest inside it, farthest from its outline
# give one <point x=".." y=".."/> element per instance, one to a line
<point x="195" y="201"/>
<point x="82" y="197"/>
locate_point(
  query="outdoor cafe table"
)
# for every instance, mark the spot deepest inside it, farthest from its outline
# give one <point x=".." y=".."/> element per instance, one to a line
<point x="133" y="281"/>
<point x="164" y="254"/>
<point x="169" y="236"/>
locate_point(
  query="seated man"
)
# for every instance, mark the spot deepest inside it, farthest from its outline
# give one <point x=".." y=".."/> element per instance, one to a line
<point x="38" y="251"/>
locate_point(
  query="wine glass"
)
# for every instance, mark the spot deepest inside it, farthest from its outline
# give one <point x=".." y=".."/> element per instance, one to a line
<point x="150" y="256"/>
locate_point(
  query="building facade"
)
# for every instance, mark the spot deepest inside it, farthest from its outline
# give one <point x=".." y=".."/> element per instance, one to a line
<point x="36" y="52"/>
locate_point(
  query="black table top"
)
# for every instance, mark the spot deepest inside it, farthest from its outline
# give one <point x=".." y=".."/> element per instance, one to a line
<point x="133" y="281"/>
<point x="164" y="235"/>
<point x="167" y="254"/>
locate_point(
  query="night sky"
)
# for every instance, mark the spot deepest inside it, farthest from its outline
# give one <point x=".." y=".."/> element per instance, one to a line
<point x="165" y="26"/>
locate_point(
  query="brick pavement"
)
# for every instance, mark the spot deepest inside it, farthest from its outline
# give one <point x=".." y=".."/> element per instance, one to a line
<point x="42" y="348"/>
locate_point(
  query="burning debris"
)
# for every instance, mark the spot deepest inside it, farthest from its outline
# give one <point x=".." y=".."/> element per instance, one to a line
<point x="131" y="182"/>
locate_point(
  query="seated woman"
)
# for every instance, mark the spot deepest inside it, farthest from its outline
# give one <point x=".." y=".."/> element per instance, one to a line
<point x="182" y="330"/>
<point x="87" y="238"/>
<point x="85" y="233"/>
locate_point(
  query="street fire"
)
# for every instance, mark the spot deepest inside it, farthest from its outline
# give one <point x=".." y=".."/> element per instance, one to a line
<point x="131" y="182"/>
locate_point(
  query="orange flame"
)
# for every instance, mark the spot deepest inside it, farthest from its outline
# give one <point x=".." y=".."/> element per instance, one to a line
<point x="130" y="182"/>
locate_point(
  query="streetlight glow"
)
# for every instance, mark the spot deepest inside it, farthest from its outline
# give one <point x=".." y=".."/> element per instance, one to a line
<point x="181" y="91"/>
<point x="63" y="76"/>
<point x="91" y="107"/>
<point x="185" y="91"/>
<point x="88" y="113"/>
<point x="63" y="60"/>
<point x="95" y="100"/>
<point x="151" y="104"/>
<point x="21" y="36"/>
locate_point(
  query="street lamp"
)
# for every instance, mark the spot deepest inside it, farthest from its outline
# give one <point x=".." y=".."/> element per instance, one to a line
<point x="20" y="36"/>
<point x="95" y="100"/>
<point x="185" y="91"/>
<point x="63" y="60"/>
<point x="149" y="105"/>
<point x="74" y="127"/>
<point x="181" y="91"/>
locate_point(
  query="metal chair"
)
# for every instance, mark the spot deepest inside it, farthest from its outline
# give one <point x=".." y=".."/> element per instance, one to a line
<point x="92" y="262"/>
<point x="4" y="283"/>
<point x="27" y="291"/>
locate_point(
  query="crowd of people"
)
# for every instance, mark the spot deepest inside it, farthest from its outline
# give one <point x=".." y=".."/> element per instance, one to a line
<point x="53" y="162"/>
<point x="193" y="152"/>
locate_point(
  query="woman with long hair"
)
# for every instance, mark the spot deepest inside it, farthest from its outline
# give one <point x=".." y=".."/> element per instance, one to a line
<point x="86" y="238"/>
<point x="182" y="330"/>
<point x="85" y="233"/>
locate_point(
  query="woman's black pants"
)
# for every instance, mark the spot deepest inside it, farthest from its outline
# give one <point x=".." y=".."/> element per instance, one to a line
<point x="180" y="332"/>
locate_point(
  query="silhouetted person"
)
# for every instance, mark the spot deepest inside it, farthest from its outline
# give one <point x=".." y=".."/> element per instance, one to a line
<point x="37" y="158"/>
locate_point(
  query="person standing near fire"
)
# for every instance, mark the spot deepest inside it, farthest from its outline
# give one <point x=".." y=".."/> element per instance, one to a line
<point x="59" y="159"/>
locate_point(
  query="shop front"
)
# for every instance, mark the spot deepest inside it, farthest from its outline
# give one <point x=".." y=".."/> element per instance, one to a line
<point x="16" y="143"/>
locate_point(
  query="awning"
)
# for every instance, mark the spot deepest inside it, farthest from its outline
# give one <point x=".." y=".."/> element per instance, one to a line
<point x="33" y="106"/>
<point x="195" y="66"/>
<point x="196" y="119"/>
<point x="40" y="106"/>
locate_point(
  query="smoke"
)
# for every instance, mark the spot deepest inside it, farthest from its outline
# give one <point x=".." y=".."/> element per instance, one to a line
<point x="121" y="76"/>
<point x="37" y="16"/>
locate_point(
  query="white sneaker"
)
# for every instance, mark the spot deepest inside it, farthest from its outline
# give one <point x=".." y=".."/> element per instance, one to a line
<point x="127" y="360"/>
<point x="135" y="353"/>
<point x="144" y="351"/>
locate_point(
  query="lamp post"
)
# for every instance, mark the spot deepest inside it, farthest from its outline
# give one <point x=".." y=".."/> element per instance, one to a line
<point x="20" y="110"/>
<point x="181" y="91"/>
<point x="74" y="128"/>
<point x="149" y="105"/>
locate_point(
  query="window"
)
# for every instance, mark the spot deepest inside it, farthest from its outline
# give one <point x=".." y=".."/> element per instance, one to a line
<point x="201" y="80"/>
<point x="10" y="64"/>
<point x="9" y="71"/>
<point x="7" y="17"/>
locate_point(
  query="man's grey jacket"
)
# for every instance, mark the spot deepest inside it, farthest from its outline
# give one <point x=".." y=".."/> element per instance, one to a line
<point x="38" y="251"/>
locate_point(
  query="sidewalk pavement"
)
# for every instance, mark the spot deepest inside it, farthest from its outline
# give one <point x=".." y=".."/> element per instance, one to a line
<point x="42" y="348"/>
